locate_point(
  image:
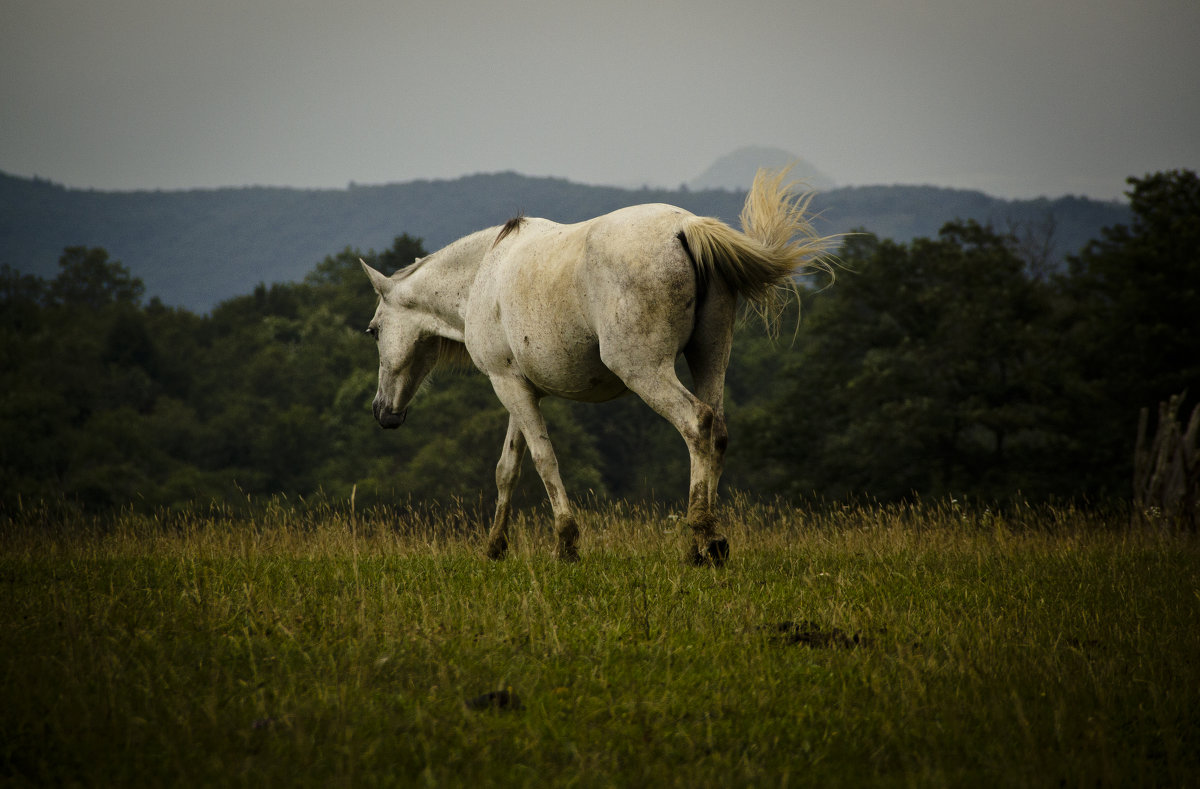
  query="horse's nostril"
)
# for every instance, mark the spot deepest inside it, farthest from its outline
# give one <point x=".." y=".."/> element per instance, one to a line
<point x="390" y="419"/>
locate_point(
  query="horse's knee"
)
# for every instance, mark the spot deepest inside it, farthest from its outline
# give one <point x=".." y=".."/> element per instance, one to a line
<point x="507" y="472"/>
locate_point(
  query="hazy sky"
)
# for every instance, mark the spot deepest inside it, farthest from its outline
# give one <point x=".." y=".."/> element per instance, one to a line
<point x="1019" y="98"/>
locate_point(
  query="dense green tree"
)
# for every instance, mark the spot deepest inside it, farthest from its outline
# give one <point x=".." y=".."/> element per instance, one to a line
<point x="337" y="281"/>
<point x="925" y="370"/>
<point x="945" y="365"/>
<point x="22" y="296"/>
<point x="1135" y="296"/>
<point x="89" y="279"/>
<point x="75" y="357"/>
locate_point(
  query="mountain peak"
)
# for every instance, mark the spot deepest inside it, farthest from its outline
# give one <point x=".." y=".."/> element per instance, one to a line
<point x="736" y="170"/>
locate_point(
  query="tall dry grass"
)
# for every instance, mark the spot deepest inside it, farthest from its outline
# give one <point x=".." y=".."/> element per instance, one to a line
<point x="310" y="643"/>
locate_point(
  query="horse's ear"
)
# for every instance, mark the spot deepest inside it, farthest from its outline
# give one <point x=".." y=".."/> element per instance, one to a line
<point x="382" y="284"/>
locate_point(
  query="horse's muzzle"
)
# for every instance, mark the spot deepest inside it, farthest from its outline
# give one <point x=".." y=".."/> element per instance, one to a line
<point x="389" y="420"/>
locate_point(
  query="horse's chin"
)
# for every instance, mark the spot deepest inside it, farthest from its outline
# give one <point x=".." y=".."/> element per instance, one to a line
<point x="390" y="420"/>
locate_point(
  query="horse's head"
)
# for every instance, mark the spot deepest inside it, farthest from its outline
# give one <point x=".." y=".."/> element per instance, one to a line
<point x="408" y="347"/>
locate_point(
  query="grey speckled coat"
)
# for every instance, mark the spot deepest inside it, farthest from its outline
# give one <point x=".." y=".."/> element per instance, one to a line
<point x="589" y="311"/>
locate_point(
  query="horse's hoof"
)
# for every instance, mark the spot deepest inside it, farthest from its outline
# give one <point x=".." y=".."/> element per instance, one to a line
<point x="497" y="550"/>
<point x="714" y="555"/>
<point x="718" y="551"/>
<point x="567" y="553"/>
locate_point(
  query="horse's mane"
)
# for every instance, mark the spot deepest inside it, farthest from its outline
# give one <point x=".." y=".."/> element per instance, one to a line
<point x="453" y="355"/>
<point x="510" y="227"/>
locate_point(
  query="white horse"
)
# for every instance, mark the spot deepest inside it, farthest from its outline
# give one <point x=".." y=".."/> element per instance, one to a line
<point x="589" y="311"/>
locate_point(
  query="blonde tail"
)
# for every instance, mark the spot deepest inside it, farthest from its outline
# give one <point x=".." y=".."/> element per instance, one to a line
<point x="777" y="245"/>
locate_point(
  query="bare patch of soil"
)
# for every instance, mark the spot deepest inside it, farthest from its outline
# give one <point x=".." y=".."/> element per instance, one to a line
<point x="810" y="634"/>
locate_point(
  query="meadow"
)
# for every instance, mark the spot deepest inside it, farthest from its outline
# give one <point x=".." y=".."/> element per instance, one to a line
<point x="300" y="644"/>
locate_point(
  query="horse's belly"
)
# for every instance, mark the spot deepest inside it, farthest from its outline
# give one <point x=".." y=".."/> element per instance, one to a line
<point x="571" y="371"/>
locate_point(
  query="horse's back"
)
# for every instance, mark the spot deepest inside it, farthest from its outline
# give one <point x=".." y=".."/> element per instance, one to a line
<point x="630" y="250"/>
<point x="562" y="297"/>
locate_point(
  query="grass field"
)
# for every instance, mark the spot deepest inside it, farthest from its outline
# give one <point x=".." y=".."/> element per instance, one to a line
<point x="308" y="645"/>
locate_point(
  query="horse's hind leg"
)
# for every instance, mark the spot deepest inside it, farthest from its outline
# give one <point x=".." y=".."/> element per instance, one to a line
<point x="697" y="422"/>
<point x="707" y="354"/>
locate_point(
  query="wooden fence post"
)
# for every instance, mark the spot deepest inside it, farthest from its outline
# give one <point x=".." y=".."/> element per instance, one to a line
<point x="1166" y="473"/>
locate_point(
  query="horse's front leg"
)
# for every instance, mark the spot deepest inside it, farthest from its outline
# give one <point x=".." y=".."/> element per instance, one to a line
<point x="507" y="472"/>
<point x="525" y="417"/>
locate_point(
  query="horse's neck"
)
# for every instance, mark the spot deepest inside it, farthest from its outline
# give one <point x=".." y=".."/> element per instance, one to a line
<point x="442" y="282"/>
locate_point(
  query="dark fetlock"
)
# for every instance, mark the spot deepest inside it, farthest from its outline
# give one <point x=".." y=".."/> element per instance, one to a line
<point x="567" y="549"/>
<point x="498" y="548"/>
<point x="707" y="548"/>
<point x="714" y="553"/>
<point x="718" y="551"/>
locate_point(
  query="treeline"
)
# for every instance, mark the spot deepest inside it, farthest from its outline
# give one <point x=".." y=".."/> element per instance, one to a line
<point x="953" y="365"/>
<point x="197" y="248"/>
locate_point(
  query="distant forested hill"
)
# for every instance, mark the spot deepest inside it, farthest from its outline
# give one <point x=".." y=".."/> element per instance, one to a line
<point x="199" y="247"/>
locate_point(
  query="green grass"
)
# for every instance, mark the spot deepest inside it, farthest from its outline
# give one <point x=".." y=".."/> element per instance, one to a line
<point x="306" y="646"/>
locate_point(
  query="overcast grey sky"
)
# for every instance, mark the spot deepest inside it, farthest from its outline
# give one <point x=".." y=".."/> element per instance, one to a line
<point x="1019" y="98"/>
